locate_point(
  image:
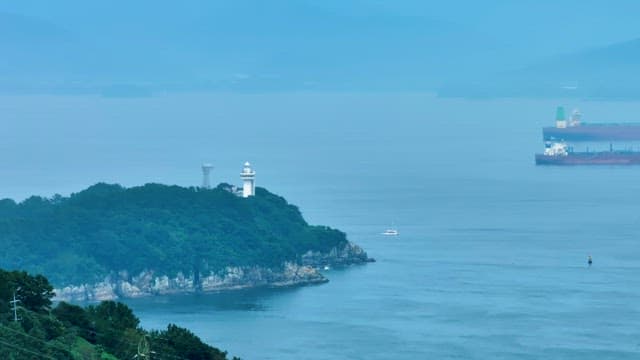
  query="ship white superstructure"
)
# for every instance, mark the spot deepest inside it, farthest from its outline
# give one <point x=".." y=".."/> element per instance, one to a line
<point x="556" y="149"/>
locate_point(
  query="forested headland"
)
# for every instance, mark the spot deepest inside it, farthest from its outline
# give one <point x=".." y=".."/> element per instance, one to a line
<point x="170" y="230"/>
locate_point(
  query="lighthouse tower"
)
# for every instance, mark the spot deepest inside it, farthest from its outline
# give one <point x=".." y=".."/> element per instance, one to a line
<point x="248" y="177"/>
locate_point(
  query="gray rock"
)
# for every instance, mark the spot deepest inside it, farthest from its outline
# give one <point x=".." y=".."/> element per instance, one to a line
<point x="147" y="283"/>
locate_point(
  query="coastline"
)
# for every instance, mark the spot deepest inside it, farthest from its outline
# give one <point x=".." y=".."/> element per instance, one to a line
<point x="147" y="283"/>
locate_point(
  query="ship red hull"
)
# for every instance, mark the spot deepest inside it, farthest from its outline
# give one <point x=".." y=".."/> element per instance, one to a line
<point x="594" y="132"/>
<point x="599" y="158"/>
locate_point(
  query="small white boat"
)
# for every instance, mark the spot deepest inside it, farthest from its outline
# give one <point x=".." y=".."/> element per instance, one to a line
<point x="326" y="267"/>
<point x="390" y="232"/>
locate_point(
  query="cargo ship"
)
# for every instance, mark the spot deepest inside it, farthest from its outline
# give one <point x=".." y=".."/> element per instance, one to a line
<point x="575" y="130"/>
<point x="558" y="153"/>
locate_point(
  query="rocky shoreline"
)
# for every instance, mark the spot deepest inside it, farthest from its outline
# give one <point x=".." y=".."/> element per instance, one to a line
<point x="147" y="283"/>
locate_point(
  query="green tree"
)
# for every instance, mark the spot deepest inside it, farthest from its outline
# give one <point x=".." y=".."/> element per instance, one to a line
<point x="116" y="327"/>
<point x="75" y="316"/>
<point x="180" y="342"/>
<point x="34" y="292"/>
<point x="111" y="328"/>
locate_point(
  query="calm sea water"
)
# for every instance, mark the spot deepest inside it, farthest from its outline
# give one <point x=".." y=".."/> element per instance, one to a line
<point x="491" y="258"/>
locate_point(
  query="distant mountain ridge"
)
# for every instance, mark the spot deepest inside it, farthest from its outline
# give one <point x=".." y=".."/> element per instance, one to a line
<point x="134" y="49"/>
<point x="609" y="72"/>
<point x="245" y="46"/>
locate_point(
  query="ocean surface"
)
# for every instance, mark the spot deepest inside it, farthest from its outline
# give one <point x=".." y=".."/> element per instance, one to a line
<point x="491" y="260"/>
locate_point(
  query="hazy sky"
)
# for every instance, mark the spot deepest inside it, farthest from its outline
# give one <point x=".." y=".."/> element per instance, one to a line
<point x="267" y="51"/>
<point x="552" y="23"/>
<point x="383" y="45"/>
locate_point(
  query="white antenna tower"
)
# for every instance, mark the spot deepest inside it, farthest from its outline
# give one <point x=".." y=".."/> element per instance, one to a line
<point x="15" y="302"/>
<point x="206" y="180"/>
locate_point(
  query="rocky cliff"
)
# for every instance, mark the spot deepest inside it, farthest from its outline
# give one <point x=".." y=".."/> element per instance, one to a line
<point x="149" y="283"/>
<point x="349" y="254"/>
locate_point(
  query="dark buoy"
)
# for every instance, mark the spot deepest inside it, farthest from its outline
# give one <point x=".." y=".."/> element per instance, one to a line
<point x="590" y="260"/>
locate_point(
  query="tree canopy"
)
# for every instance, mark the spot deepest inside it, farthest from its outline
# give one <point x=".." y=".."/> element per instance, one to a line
<point x="105" y="331"/>
<point x="33" y="292"/>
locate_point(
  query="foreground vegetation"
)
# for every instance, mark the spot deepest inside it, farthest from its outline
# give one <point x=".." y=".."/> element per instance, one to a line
<point x="169" y="229"/>
<point x="106" y="331"/>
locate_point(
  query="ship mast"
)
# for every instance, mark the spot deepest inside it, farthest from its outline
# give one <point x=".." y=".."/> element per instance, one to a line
<point x="576" y="117"/>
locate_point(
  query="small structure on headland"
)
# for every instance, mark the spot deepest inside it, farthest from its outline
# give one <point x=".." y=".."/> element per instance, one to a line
<point x="206" y="171"/>
<point x="248" y="176"/>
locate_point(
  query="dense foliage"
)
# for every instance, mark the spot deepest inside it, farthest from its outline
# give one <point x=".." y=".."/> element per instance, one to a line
<point x="168" y="229"/>
<point x="107" y="331"/>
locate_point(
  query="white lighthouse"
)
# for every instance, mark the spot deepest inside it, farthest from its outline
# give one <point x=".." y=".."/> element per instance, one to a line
<point x="248" y="177"/>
